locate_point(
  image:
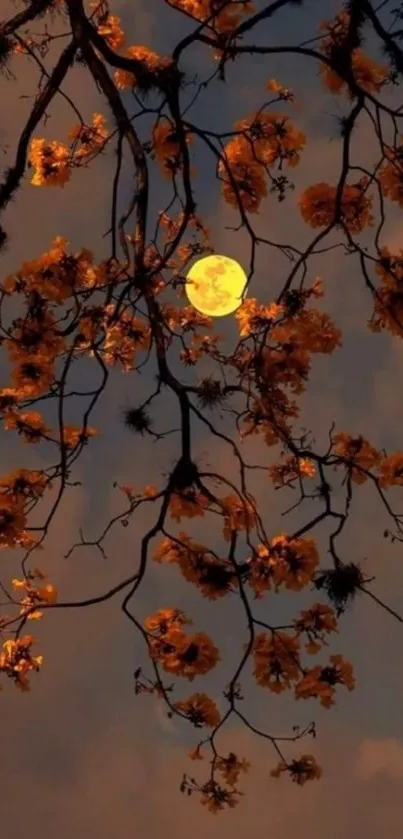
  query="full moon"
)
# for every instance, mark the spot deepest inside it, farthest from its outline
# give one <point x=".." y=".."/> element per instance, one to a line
<point x="215" y="285"/>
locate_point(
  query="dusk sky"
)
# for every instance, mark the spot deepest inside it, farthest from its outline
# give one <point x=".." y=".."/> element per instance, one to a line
<point x="81" y="755"/>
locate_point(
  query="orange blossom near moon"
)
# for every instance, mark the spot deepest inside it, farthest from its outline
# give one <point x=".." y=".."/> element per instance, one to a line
<point x="215" y="285"/>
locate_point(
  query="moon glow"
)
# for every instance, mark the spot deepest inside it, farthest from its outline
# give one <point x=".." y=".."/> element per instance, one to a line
<point x="215" y="285"/>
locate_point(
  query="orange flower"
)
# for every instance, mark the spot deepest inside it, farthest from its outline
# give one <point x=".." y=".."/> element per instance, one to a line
<point x="56" y="275"/>
<point x="391" y="174"/>
<point x="213" y="576"/>
<point x="262" y="571"/>
<point x="307" y="467"/>
<point x="184" y="317"/>
<point x="108" y="26"/>
<point x="272" y="138"/>
<point x="230" y="767"/>
<point x="200" y="710"/>
<point x="276" y="660"/>
<point x="223" y="20"/>
<point x="369" y="75"/>
<point x="243" y="179"/>
<point x="185" y="655"/>
<point x="123" y="338"/>
<point x="33" y="378"/>
<point x="165" y="620"/>
<point x="318" y="206"/>
<point x="216" y="798"/>
<point x="73" y="435"/>
<point x="187" y="504"/>
<point x="301" y="770"/>
<point x="25" y="483"/>
<point x="290" y="469"/>
<point x="28" y="423"/>
<point x="149" y="64"/>
<point x="388" y="301"/>
<point x="321" y="682"/>
<point x="34" y="339"/>
<point x="195" y="753"/>
<point x="252" y="316"/>
<point x="169" y="550"/>
<point x="358" y="453"/>
<point x="285" y="561"/>
<point x="267" y="414"/>
<point x="312" y="329"/>
<point x="239" y="514"/>
<point x="34" y="596"/>
<point x="51" y="161"/>
<point x="9" y="397"/>
<point x="283" y="92"/>
<point x="12" y="521"/>
<point x="200" y="345"/>
<point x="317" y="621"/>
<point x="286" y="365"/>
<point x="90" y="138"/>
<point x="17" y="662"/>
<point x="391" y="470"/>
<point x="297" y="562"/>
<point x="166" y="147"/>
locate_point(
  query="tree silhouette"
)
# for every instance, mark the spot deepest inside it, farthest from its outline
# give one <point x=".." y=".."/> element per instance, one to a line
<point x="131" y="308"/>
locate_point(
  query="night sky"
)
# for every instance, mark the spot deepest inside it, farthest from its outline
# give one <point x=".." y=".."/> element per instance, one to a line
<point x="81" y="755"/>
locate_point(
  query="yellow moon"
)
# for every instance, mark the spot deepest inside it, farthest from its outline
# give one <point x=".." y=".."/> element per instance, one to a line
<point x="215" y="285"/>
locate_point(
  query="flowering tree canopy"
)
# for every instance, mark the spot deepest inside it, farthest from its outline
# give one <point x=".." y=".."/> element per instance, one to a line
<point x="128" y="310"/>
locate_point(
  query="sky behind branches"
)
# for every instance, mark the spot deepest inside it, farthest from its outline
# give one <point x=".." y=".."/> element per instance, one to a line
<point x="81" y="755"/>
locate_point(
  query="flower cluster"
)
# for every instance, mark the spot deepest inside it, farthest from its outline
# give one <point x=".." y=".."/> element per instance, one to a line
<point x="319" y="206"/>
<point x="53" y="161"/>
<point x="179" y="654"/>
<point x="266" y="140"/>
<point x="283" y="562"/>
<point x="367" y="74"/>
<point x="16" y="661"/>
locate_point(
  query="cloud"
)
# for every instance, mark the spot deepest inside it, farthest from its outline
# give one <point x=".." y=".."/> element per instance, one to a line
<point x="380" y="757"/>
<point x="126" y="780"/>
